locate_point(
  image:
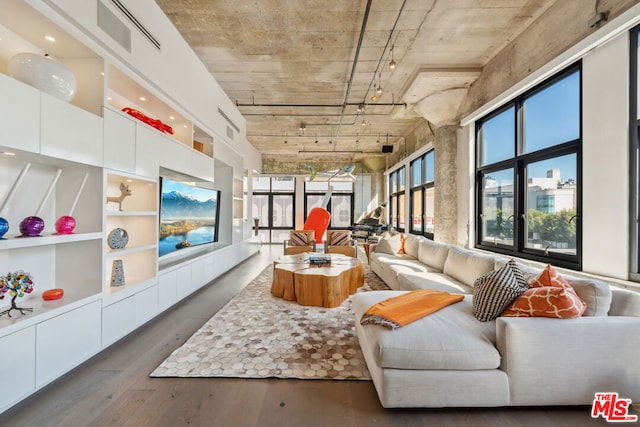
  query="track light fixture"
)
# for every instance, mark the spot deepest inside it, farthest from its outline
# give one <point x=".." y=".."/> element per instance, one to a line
<point x="392" y="64"/>
<point x="361" y="108"/>
<point x="379" y="89"/>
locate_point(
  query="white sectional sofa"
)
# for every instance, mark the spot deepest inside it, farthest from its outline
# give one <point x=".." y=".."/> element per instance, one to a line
<point x="450" y="358"/>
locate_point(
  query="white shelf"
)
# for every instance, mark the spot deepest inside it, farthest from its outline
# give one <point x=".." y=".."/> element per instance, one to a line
<point x="118" y="293"/>
<point x="127" y="251"/>
<point x="131" y="213"/>
<point x="16" y="242"/>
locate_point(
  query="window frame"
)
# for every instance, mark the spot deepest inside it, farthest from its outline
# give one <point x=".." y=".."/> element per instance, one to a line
<point x="421" y="187"/>
<point x="395" y="197"/>
<point x="270" y="195"/>
<point x="351" y="195"/>
<point x="519" y="164"/>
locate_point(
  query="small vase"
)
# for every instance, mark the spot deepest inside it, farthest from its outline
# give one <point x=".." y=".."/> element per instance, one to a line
<point x="117" y="273"/>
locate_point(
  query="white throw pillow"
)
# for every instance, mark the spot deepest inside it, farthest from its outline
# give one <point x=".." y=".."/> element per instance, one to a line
<point x="389" y="244"/>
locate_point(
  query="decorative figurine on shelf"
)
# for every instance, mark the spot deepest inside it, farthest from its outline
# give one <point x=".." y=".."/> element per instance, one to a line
<point x="16" y="285"/>
<point x="118" y="238"/>
<point x="66" y="223"/>
<point x="156" y="123"/>
<point x="117" y="273"/>
<point x="32" y="226"/>
<point x="124" y="192"/>
<point x="4" y="224"/>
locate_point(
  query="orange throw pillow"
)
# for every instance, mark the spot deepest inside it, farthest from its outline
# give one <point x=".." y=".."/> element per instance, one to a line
<point x="401" y="250"/>
<point x="549" y="295"/>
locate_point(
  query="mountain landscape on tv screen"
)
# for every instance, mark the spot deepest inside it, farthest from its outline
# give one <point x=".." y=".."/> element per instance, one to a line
<point x="177" y="205"/>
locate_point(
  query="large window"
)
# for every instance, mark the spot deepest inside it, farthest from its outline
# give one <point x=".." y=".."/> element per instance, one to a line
<point x="273" y="204"/>
<point x="397" y="198"/>
<point x="422" y="195"/>
<point x="528" y="174"/>
<point x="340" y="203"/>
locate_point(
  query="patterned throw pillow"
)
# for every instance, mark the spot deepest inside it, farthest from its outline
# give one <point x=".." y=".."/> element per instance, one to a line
<point x="494" y="291"/>
<point x="549" y="296"/>
<point x="340" y="238"/>
<point x="298" y="238"/>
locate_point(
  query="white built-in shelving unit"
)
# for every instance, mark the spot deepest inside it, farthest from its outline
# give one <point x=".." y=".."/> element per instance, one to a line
<point x="91" y="136"/>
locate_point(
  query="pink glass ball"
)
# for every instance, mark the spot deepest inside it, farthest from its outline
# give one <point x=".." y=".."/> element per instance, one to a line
<point x="65" y="224"/>
<point x="31" y="226"/>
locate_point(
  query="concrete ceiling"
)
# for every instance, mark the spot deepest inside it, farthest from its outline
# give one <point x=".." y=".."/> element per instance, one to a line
<point x="293" y="62"/>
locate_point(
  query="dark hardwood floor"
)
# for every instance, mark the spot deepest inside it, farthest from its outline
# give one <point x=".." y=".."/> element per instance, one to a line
<point x="114" y="389"/>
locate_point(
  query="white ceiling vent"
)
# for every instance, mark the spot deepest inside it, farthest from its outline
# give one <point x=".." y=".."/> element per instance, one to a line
<point x="230" y="122"/>
<point x="114" y="27"/>
<point x="127" y="13"/>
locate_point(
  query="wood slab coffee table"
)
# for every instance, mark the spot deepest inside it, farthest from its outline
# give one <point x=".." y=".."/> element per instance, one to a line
<point x="295" y="279"/>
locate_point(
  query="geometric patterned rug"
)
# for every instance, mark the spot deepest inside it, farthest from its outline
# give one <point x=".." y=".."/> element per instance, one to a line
<point x="257" y="335"/>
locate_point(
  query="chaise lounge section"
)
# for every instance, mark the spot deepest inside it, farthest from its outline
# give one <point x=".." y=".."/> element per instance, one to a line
<point x="452" y="359"/>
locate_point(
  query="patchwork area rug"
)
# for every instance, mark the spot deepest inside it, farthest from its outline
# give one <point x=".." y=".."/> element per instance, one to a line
<point x="257" y="335"/>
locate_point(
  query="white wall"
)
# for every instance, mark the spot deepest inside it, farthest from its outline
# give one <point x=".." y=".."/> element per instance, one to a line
<point x="605" y="150"/>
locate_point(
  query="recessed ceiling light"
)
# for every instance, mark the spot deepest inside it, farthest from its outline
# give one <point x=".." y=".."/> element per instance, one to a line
<point x="184" y="126"/>
<point x="8" y="153"/>
<point x="50" y="38"/>
<point x="171" y="118"/>
<point x="109" y="98"/>
<point x="142" y="98"/>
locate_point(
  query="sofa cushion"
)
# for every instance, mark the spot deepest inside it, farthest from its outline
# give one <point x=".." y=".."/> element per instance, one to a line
<point x="389" y="244"/>
<point x="432" y="280"/>
<point x="596" y="295"/>
<point x="433" y="254"/>
<point x="411" y="244"/>
<point x="395" y="264"/>
<point x="466" y="266"/>
<point x="494" y="291"/>
<point x="429" y="343"/>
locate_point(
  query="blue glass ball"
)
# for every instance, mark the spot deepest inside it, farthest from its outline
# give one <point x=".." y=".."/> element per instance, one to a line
<point x="4" y="227"/>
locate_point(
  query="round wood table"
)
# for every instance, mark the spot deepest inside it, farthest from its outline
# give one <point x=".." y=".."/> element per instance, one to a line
<point x="295" y="279"/>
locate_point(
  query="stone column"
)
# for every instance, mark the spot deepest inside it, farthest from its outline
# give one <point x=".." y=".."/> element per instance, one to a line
<point x="446" y="184"/>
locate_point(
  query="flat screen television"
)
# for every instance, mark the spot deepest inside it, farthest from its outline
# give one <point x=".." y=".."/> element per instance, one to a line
<point x="188" y="216"/>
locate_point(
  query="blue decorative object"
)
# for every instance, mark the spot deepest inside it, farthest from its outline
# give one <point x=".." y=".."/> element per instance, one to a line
<point x="118" y="238"/>
<point x="4" y="227"/>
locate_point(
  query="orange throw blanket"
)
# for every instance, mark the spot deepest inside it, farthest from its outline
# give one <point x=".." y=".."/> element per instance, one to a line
<point x="399" y="311"/>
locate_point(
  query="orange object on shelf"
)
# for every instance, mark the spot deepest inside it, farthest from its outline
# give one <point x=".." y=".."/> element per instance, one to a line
<point x="318" y="221"/>
<point x="156" y="123"/>
<point x="52" y="294"/>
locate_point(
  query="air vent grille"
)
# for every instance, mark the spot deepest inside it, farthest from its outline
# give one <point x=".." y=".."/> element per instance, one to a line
<point x="114" y="27"/>
<point x="136" y="23"/>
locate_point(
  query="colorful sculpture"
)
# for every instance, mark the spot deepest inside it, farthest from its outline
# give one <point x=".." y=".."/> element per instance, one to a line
<point x="32" y="226"/>
<point x="66" y="223"/>
<point x="16" y="284"/>
<point x="4" y="224"/>
<point x="318" y="221"/>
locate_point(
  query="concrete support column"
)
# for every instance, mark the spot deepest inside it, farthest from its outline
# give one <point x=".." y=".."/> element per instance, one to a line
<point x="446" y="184"/>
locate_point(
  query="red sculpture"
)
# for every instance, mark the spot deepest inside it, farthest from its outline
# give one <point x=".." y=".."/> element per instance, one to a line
<point x="156" y="123"/>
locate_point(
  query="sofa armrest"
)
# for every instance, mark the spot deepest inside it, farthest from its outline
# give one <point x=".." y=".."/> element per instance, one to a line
<point x="566" y="361"/>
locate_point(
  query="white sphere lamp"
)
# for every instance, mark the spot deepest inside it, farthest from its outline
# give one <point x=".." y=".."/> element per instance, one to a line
<point x="44" y="73"/>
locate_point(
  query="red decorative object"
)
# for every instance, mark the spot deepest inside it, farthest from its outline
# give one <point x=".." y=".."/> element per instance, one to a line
<point x="156" y="123"/>
<point x="52" y="294"/>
